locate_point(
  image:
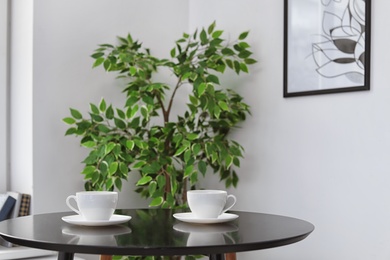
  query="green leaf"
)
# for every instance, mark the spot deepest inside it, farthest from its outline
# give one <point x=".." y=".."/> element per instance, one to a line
<point x="139" y="164"/>
<point x="144" y="112"/>
<point x="71" y="131"/>
<point x="69" y="120"/>
<point x="243" y="67"/>
<point x="243" y="35"/>
<point x="107" y="65"/>
<point x="229" y="63"/>
<point x="236" y="161"/>
<point x="118" y="183"/>
<point x="250" y="61"/>
<point x="134" y="111"/>
<point x="135" y="122"/>
<point x="98" y="62"/>
<point x="152" y="187"/>
<point x="89" y="169"/>
<point x="202" y="88"/>
<point x="148" y="100"/>
<point x="217" y="112"/>
<point x="129" y="38"/>
<point x="161" y="181"/>
<point x="193" y="178"/>
<point x="211" y="28"/>
<point x="120" y="123"/>
<point x="95" y="177"/>
<point x="180" y="150"/>
<point x="144" y="180"/>
<point x="203" y="37"/>
<point x="244" y="54"/>
<point x="109" y="148"/>
<point x="192" y="136"/>
<point x="235" y="179"/>
<point x="173" y="52"/>
<point x="223" y="105"/>
<point x="237" y="67"/>
<point x="94" y="108"/>
<point x="213" y="79"/>
<point x="75" y="113"/>
<point x="120" y="113"/>
<point x="109" y="183"/>
<point x="202" y="166"/>
<point x="227" y="51"/>
<point x="123" y="168"/>
<point x="187" y="155"/>
<point x="103" y="128"/>
<point x="196" y="148"/>
<point x="188" y="170"/>
<point x="228" y="161"/>
<point x="156" y="202"/>
<point x="131" y="101"/>
<point x="194" y="100"/>
<point x="97" y="55"/>
<point x="216" y="34"/>
<point x="133" y="71"/>
<point x="89" y="144"/>
<point x="110" y="112"/>
<point x="130" y="144"/>
<point x="102" y="105"/>
<point x="96" y="118"/>
<point x="113" y="168"/>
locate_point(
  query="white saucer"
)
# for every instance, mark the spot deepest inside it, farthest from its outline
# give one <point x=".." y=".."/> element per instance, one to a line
<point x="79" y="220"/>
<point x="190" y="218"/>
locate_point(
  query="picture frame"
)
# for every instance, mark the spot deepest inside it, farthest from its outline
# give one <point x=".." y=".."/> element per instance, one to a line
<point x="326" y="46"/>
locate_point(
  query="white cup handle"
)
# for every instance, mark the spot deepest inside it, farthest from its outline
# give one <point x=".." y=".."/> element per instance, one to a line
<point x="70" y="206"/>
<point x="229" y="205"/>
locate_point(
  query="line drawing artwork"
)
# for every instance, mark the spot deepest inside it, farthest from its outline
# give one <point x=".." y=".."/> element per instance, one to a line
<point x="340" y="52"/>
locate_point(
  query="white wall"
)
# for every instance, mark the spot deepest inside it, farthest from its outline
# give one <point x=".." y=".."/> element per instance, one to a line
<point x="320" y="158"/>
<point x="21" y="90"/>
<point x="65" y="35"/>
<point x="3" y="95"/>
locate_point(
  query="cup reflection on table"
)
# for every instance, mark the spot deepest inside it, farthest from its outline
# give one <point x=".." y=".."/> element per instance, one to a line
<point x="209" y="234"/>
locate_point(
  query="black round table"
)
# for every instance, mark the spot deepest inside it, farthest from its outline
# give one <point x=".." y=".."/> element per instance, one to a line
<point x="155" y="232"/>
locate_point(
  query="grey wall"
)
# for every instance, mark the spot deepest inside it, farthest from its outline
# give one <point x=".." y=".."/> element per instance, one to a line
<point x="320" y="158"/>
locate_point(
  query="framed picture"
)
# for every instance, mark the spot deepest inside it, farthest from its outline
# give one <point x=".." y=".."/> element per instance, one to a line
<point x="326" y="46"/>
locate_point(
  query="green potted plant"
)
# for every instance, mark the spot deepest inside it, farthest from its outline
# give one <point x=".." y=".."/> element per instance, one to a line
<point x="144" y="137"/>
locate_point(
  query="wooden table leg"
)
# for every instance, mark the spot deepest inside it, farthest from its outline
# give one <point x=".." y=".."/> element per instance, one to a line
<point x="65" y="256"/>
<point x="230" y="256"/>
<point x="105" y="257"/>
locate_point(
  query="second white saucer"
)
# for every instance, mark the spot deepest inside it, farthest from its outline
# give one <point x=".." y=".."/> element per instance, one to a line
<point x="79" y="220"/>
<point x="189" y="217"/>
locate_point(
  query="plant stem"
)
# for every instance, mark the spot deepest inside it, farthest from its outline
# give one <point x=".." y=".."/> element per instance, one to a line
<point x="166" y="115"/>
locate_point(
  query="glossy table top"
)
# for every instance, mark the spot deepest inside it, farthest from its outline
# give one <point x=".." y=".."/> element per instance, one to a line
<point x="156" y="232"/>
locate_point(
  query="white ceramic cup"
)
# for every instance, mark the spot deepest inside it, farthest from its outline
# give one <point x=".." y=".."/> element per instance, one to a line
<point x="209" y="203"/>
<point x="94" y="205"/>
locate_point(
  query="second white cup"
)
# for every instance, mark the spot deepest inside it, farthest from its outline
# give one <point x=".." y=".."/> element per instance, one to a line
<point x="209" y="203"/>
<point x="94" y="205"/>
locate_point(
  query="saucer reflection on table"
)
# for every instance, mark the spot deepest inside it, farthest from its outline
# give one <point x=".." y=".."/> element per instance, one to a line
<point x="105" y="235"/>
<point x="194" y="228"/>
<point x="189" y="217"/>
<point x="79" y="220"/>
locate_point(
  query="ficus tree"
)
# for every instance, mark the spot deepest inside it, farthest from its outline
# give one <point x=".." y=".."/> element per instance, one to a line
<point x="168" y="154"/>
